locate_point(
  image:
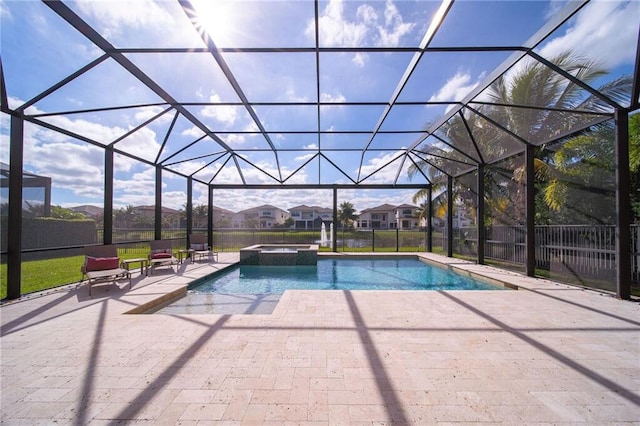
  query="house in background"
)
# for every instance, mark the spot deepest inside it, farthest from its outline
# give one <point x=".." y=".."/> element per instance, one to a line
<point x="170" y="217"/>
<point x="310" y="217"/>
<point x="89" y="211"/>
<point x="461" y="217"/>
<point x="380" y="217"/>
<point x="222" y="218"/>
<point x="406" y="216"/>
<point x="388" y="216"/>
<point x="265" y="216"/>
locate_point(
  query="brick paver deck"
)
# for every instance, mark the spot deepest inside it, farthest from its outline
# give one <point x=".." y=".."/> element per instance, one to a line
<point x="547" y="353"/>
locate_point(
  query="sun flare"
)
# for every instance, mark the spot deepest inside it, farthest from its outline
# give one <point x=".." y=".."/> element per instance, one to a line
<point x="217" y="19"/>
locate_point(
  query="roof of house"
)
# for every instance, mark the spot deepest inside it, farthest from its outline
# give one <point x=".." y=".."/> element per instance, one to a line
<point x="264" y="206"/>
<point x="88" y="209"/>
<point x="314" y="208"/>
<point x="164" y="209"/>
<point x="385" y="207"/>
<point x="221" y="210"/>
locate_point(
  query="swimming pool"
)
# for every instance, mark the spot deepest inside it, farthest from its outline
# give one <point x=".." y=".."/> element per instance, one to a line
<point x="338" y="274"/>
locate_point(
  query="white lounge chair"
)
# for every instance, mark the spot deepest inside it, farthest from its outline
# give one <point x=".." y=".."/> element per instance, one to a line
<point x="200" y="248"/>
<point x="102" y="264"/>
<point x="161" y="255"/>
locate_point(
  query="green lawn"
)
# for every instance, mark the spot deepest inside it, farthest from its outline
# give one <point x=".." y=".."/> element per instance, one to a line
<point x="38" y="275"/>
<point x="43" y="274"/>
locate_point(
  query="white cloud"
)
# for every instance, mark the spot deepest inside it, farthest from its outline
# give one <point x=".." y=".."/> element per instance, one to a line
<point x="251" y="127"/>
<point x="137" y="189"/>
<point x="235" y="139"/>
<point x="229" y="174"/>
<point x="554" y="7"/>
<point x="253" y="175"/>
<point x="186" y="168"/>
<point x="331" y="98"/>
<point x="97" y="132"/>
<point x="367" y="14"/>
<point x="230" y="139"/>
<point x="335" y="29"/>
<point x="360" y="59"/>
<point x="282" y="198"/>
<point x="328" y="97"/>
<point x="115" y="17"/>
<point x="598" y="32"/>
<point x="141" y="144"/>
<point x="147" y="175"/>
<point x="291" y="96"/>
<point x="76" y="166"/>
<point x="394" y="27"/>
<point x="455" y="88"/>
<point x="5" y="13"/>
<point x="226" y="115"/>
<point x="174" y="199"/>
<point x="386" y="174"/>
<point x="305" y="157"/>
<point x="144" y="114"/>
<point x="367" y="27"/>
<point x="193" y="131"/>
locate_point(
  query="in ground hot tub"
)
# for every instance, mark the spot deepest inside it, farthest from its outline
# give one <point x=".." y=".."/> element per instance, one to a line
<point x="279" y="254"/>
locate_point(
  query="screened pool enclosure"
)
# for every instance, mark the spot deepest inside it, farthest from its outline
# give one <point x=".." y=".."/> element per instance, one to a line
<point x="517" y="117"/>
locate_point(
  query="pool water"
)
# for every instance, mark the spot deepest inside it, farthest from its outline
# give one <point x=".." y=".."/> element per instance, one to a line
<point x="338" y="274"/>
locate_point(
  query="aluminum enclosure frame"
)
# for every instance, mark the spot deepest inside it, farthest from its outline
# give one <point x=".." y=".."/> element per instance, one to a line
<point x="473" y="160"/>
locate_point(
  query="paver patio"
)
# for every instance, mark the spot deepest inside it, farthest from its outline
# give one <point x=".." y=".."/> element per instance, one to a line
<point x="546" y="354"/>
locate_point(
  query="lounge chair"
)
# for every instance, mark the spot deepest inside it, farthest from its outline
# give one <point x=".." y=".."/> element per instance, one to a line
<point x="102" y="264"/>
<point x="161" y="255"/>
<point x="199" y="247"/>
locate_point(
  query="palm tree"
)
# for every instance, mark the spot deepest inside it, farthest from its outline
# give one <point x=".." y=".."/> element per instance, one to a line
<point x="583" y="183"/>
<point x="200" y="213"/>
<point x="551" y="99"/>
<point x="347" y="214"/>
<point x="422" y="211"/>
<point x="539" y="86"/>
<point x="439" y="202"/>
<point x="125" y="217"/>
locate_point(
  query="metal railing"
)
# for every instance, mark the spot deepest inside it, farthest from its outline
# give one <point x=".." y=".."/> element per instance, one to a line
<point x="123" y="235"/>
<point x="347" y="239"/>
<point x="574" y="253"/>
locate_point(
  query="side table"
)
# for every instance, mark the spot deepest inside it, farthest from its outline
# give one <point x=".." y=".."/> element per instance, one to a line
<point x="144" y="264"/>
<point x="183" y="254"/>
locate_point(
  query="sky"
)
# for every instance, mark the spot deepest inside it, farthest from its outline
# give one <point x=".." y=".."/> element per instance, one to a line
<point x="39" y="49"/>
